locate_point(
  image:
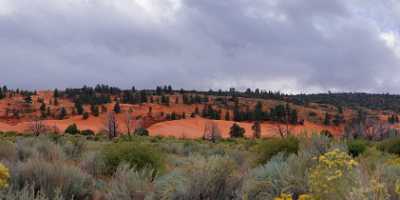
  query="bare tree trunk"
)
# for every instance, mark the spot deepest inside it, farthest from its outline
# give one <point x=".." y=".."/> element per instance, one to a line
<point x="37" y="127"/>
<point x="211" y="132"/>
<point x="111" y="125"/>
<point x="128" y="122"/>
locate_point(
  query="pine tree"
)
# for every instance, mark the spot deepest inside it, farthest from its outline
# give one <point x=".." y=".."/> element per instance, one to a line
<point x="56" y="94"/>
<point x="258" y="112"/>
<point x="28" y="99"/>
<point x="293" y="117"/>
<point x="117" y="107"/>
<point x="79" y="107"/>
<point x="327" y="120"/>
<point x="236" y="113"/>
<point x="227" y="116"/>
<point x="95" y="110"/>
<point x="85" y="116"/>
<point x="43" y="110"/>
<point x="63" y="113"/>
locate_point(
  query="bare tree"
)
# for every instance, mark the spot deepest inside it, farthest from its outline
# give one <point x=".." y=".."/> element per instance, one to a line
<point x="111" y="125"/>
<point x="283" y="131"/>
<point x="37" y="127"/>
<point x="128" y="121"/>
<point x="211" y="131"/>
<point x="256" y="129"/>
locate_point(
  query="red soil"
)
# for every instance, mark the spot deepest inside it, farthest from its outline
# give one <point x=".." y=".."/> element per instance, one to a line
<point x="194" y="128"/>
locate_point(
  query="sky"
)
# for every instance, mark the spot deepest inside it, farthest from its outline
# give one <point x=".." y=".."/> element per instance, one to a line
<point x="294" y="46"/>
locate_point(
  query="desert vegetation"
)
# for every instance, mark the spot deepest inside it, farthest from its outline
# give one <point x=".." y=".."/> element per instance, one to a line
<point x="75" y="166"/>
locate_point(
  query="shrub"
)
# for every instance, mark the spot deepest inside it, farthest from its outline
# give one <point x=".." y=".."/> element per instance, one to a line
<point x="40" y="147"/>
<point x="236" y="131"/>
<point x="74" y="148"/>
<point x="391" y="146"/>
<point x="334" y="176"/>
<point x="141" y="132"/>
<point x="280" y="175"/>
<point x="48" y="176"/>
<point x="93" y="163"/>
<point x="28" y="192"/>
<point x="8" y="151"/>
<point x="273" y="146"/>
<point x="72" y="129"/>
<point x="356" y="147"/>
<point x="127" y="183"/>
<point x="199" y="178"/>
<point x="4" y="176"/>
<point x="85" y="116"/>
<point x="87" y="132"/>
<point x="135" y="155"/>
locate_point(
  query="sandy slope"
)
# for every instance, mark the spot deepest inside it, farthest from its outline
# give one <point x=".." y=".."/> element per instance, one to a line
<point x="194" y="128"/>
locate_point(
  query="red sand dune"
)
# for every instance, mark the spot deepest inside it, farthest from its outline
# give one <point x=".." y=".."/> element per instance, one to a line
<point x="194" y="128"/>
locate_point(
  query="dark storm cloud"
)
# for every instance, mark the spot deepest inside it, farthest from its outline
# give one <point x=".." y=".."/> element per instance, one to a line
<point x="295" y="46"/>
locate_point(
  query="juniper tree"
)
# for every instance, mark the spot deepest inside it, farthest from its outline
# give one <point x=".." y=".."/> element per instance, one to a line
<point x="236" y="131"/>
<point x="117" y="107"/>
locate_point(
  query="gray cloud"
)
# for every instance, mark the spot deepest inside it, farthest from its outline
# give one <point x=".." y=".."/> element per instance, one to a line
<point x="294" y="46"/>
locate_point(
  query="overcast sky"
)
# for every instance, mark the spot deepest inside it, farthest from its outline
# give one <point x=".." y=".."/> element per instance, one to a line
<point x="286" y="45"/>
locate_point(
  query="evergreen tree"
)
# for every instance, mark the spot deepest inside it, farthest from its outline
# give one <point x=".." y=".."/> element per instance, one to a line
<point x="63" y="113"/>
<point x="95" y="110"/>
<point x="28" y="99"/>
<point x="72" y="129"/>
<point x="293" y="117"/>
<point x="79" y="107"/>
<point x="56" y="93"/>
<point x="337" y="120"/>
<point x="227" y="116"/>
<point x="236" y="131"/>
<point x="236" y="113"/>
<point x="258" y="112"/>
<point x="173" y="116"/>
<point x="43" y="107"/>
<point x="43" y="110"/>
<point x="327" y="119"/>
<point x="85" y="115"/>
<point x="117" y="107"/>
<point x="55" y="101"/>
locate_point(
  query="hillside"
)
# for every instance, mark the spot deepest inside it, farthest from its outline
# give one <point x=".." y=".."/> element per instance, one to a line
<point x="168" y="112"/>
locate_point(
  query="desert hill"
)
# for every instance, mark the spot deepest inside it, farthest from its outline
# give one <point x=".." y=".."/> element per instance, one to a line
<point x="166" y="112"/>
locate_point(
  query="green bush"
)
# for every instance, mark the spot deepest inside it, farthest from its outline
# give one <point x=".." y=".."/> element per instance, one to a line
<point x="273" y="146"/>
<point x="72" y="129"/>
<point x="356" y="147"/>
<point x="74" y="148"/>
<point x="128" y="183"/>
<point x="41" y="147"/>
<point x="390" y="145"/>
<point x="135" y="155"/>
<point x="47" y="177"/>
<point x="213" y="177"/>
<point x="142" y="132"/>
<point x="87" y="132"/>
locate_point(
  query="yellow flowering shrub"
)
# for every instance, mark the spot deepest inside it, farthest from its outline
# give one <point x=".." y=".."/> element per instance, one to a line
<point x="306" y="197"/>
<point x="395" y="162"/>
<point x="4" y="176"/>
<point x="284" y="197"/>
<point x="333" y="176"/>
<point x="398" y="187"/>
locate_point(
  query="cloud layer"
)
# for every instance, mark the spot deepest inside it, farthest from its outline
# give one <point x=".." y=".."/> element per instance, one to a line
<point x="292" y="46"/>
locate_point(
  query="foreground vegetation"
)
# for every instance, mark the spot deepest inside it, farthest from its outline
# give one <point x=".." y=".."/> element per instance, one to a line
<point x="87" y="167"/>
